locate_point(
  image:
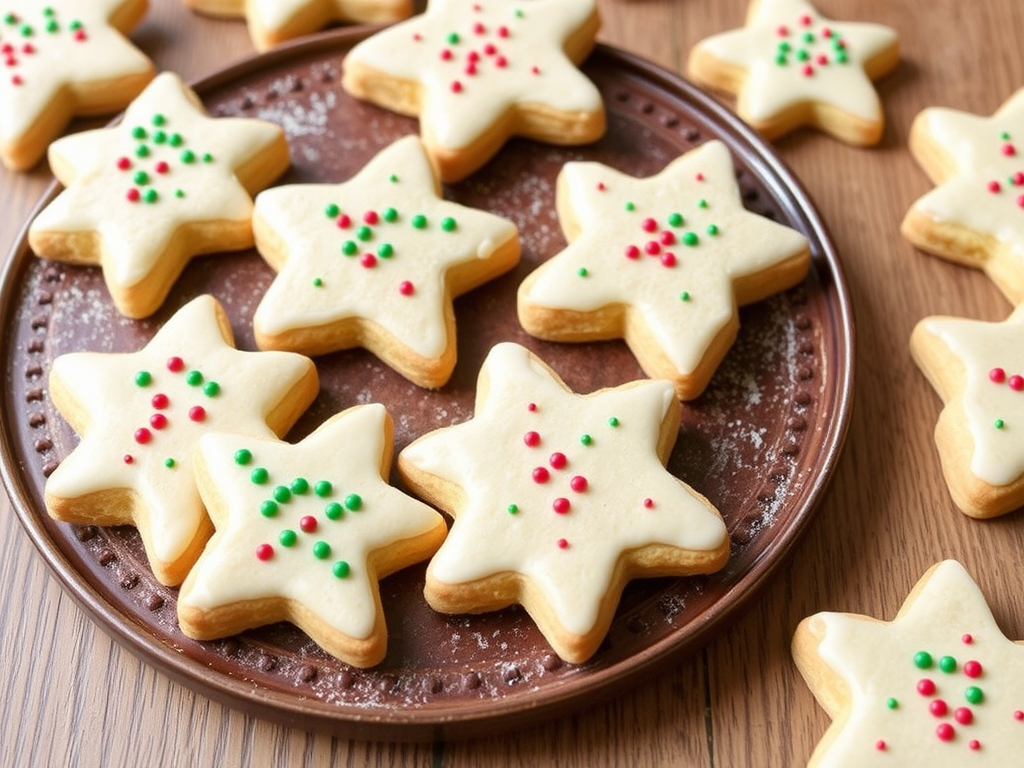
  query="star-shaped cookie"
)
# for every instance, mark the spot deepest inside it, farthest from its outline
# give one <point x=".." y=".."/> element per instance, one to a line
<point x="375" y="262"/>
<point x="975" y="216"/>
<point x="940" y="685"/>
<point x="140" y="414"/>
<point x="559" y="499"/>
<point x="166" y="184"/>
<point x="662" y="262"/>
<point x="790" y="66"/>
<point x="64" y="58"/>
<point x="478" y="73"/>
<point x="977" y="368"/>
<point x="274" y="21"/>
<point x="304" y="532"/>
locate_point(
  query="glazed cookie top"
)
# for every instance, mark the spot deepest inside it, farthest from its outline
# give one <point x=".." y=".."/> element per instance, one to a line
<point x="580" y="485"/>
<point x="166" y="167"/>
<point x="377" y="247"/>
<point x="671" y="246"/>
<point x="144" y="412"/>
<point x="476" y="60"/>
<point x="48" y="46"/>
<point x="938" y="686"/>
<point x="793" y="54"/>
<point x="308" y="522"/>
<point x="992" y="358"/>
<point x="983" y="189"/>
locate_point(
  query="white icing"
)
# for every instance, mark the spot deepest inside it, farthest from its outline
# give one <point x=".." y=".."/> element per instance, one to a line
<point x="103" y="387"/>
<point x="346" y="451"/>
<point x="744" y="244"/>
<point x="978" y="148"/>
<point x="876" y="661"/>
<point x="57" y="59"/>
<point x="412" y="51"/>
<point x="998" y="456"/>
<point x="488" y="458"/>
<point x="136" y="235"/>
<point x="312" y="242"/>
<point x="771" y="88"/>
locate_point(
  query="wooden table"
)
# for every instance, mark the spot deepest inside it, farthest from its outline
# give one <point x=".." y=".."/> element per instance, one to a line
<point x="71" y="696"/>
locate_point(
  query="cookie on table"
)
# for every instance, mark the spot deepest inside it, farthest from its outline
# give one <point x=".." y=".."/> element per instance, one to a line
<point x="791" y="67"/>
<point x="145" y="196"/>
<point x="375" y="262"/>
<point x="304" y="532"/>
<point x="139" y="416"/>
<point x="477" y="73"/>
<point x="975" y="216"/>
<point x="940" y="685"/>
<point x="662" y="262"/>
<point x="272" y="22"/>
<point x="64" y="58"/>
<point x="977" y="368"/>
<point x="559" y="499"/>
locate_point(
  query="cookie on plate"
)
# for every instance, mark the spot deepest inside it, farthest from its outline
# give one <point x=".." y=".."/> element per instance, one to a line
<point x="139" y="416"/>
<point x="975" y="216"/>
<point x="940" y="685"/>
<point x="143" y="197"/>
<point x="274" y="21"/>
<point x="477" y="74"/>
<point x="790" y="66"/>
<point x="661" y="262"/>
<point x="375" y="262"/>
<point x="559" y="499"/>
<point x="304" y="532"/>
<point x="977" y="368"/>
<point x="64" y="58"/>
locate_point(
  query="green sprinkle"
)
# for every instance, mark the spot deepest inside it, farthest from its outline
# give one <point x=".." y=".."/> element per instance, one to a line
<point x="947" y="664"/>
<point x="175" y="140"/>
<point x="142" y="150"/>
<point x="141" y="177"/>
<point x="802" y="55"/>
<point x="323" y="488"/>
<point x="690" y="239"/>
<point x="159" y="137"/>
<point x="808" y="37"/>
<point x="188" y="157"/>
<point x="1005" y="135"/>
<point x="282" y="494"/>
<point x="974" y="694"/>
<point x="243" y="456"/>
<point x="211" y="389"/>
<point x="613" y="421"/>
<point x="582" y="272"/>
<point x="10" y="18"/>
<point x="448" y="224"/>
<point x="785" y="47"/>
<point x="169" y="463"/>
<point x="629" y="206"/>
<point x="321" y="550"/>
<point x="194" y="378"/>
<point x="513" y="509"/>
<point x="179" y="193"/>
<point x="334" y="511"/>
<point x="48" y="11"/>
<point x="159" y="120"/>
<point x="349" y="248"/>
<point x="393" y="178"/>
<point x="702" y="203"/>
<point x="300" y="486"/>
<point x="143" y="379"/>
<point x="207" y="157"/>
<point x="841" y="57"/>
<point x="999" y="424"/>
<point x="519" y="13"/>
<point x="288" y="538"/>
<point x="259" y="476"/>
<point x="781" y="59"/>
<point x="390" y="215"/>
<point x="138" y="132"/>
<point x="317" y="282"/>
<point x="684" y="296"/>
<point x="386" y="251"/>
<point x="353" y="502"/>
<point x="891" y="703"/>
<point x="923" y="660"/>
<point x="332" y="211"/>
<point x="453" y="38"/>
<point x="75" y="25"/>
<point x="150" y="196"/>
<point x="364" y="233"/>
<point x="269" y="508"/>
<point x="27" y="31"/>
<point x="586" y="439"/>
<point x="675" y="220"/>
<point x="712" y="229"/>
<point x="52" y="26"/>
<point x="419" y="221"/>
<point x="341" y="569"/>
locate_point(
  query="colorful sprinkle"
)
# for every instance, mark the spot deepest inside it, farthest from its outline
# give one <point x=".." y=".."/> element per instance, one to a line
<point x="259" y="476"/>
<point x="243" y="456"/>
<point x="323" y="488"/>
<point x="321" y="550"/>
<point x="353" y="502"/>
<point x="341" y="569"/>
<point x="264" y="552"/>
<point x="334" y="511"/>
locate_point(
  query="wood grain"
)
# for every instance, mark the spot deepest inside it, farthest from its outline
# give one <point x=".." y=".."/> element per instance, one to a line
<point x="73" y="697"/>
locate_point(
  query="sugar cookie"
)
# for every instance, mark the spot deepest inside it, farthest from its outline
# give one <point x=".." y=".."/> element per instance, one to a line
<point x="140" y="415"/>
<point x="559" y="499"/>
<point x="304" y="532"/>
<point x="477" y="73"/>
<point x="662" y="262"/>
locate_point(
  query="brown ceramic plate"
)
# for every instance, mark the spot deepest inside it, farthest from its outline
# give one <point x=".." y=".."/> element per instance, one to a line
<point x="761" y="443"/>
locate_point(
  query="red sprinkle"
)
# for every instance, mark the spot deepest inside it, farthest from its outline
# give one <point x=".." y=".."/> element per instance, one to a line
<point x="1009" y="150"/>
<point x="926" y="687"/>
<point x="808" y="70"/>
<point x="562" y="544"/>
<point x="1018" y="178"/>
<point x="541" y="475"/>
<point x="938" y="708"/>
<point x="974" y="744"/>
<point x="822" y="59"/>
<point x="648" y="503"/>
<point x="880" y="745"/>
<point x="197" y="413"/>
<point x="967" y="639"/>
<point x="535" y="69"/>
<point x="531" y="407"/>
<point x="503" y="31"/>
<point x="578" y="483"/>
<point x="560" y="505"/>
<point x="490" y="49"/>
<point x="371" y="217"/>
<point x="557" y="460"/>
<point x="997" y="375"/>
<point x="945" y="731"/>
<point x="668" y="237"/>
<point x="501" y="62"/>
<point x="1020" y="201"/>
<point x="972" y="668"/>
<point x="406" y="288"/>
<point x="123" y="163"/>
<point x="532" y="439"/>
<point x="963" y="715"/>
<point x="128" y="459"/>
<point x="175" y="364"/>
<point x="307" y="523"/>
<point x="653" y="247"/>
<point x="158" y="421"/>
<point x="143" y="435"/>
<point x="456" y="86"/>
<point x="600" y="186"/>
<point x="344" y="221"/>
<point x="470" y="69"/>
<point x="632" y="252"/>
<point x="80" y="35"/>
<point x="1016" y="382"/>
<point x="649" y="225"/>
<point x="805" y="20"/>
<point x="264" y="552"/>
<point x="479" y="28"/>
<point x="668" y="259"/>
<point x="993" y="187"/>
<point x="162" y="167"/>
<point x="133" y="195"/>
<point x="160" y="401"/>
<point x="446" y="55"/>
<point x="1018" y="715"/>
<point x="368" y="260"/>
